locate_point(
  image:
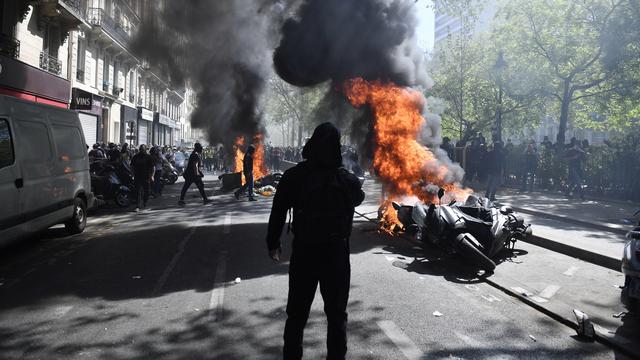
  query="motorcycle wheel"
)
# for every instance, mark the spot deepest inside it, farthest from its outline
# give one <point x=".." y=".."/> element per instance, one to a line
<point x="474" y="254"/>
<point x="122" y="199"/>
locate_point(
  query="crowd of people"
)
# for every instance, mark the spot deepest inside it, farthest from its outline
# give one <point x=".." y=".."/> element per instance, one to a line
<point x="490" y="164"/>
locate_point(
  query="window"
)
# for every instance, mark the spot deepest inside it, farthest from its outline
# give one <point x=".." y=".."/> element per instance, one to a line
<point x="81" y="57"/>
<point x="7" y="156"/>
<point x="69" y="142"/>
<point x="36" y="145"/>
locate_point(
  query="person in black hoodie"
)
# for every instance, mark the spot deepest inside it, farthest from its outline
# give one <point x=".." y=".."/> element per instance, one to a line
<point x="323" y="196"/>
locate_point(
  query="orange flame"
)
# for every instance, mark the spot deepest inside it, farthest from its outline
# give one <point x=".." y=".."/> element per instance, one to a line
<point x="388" y="218"/>
<point x="259" y="167"/>
<point x="406" y="167"/>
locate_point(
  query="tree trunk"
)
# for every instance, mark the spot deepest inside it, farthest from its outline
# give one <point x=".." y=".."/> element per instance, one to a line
<point x="299" y="133"/>
<point x="564" y="113"/>
<point x="292" y="138"/>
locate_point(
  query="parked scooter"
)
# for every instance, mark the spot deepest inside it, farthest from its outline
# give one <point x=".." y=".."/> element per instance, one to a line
<point x="474" y="230"/>
<point x="106" y="185"/>
<point x="631" y="269"/>
<point x="169" y="173"/>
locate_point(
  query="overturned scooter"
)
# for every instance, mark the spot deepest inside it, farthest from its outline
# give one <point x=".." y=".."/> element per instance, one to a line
<point x="475" y="230"/>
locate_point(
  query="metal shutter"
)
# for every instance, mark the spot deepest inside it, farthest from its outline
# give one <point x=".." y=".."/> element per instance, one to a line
<point x="89" y="128"/>
<point x="143" y="128"/>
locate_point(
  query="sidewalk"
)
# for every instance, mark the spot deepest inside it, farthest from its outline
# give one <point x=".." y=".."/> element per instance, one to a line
<point x="591" y="230"/>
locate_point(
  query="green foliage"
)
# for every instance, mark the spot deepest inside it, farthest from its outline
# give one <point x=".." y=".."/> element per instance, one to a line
<point x="563" y="43"/>
<point x="291" y="108"/>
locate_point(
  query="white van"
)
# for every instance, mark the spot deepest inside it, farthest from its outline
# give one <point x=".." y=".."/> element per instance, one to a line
<point x="44" y="169"/>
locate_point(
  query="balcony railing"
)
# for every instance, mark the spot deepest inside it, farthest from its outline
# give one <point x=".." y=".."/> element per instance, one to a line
<point x="50" y="64"/>
<point x="80" y="75"/>
<point x="98" y="17"/>
<point x="9" y="46"/>
<point x="77" y="6"/>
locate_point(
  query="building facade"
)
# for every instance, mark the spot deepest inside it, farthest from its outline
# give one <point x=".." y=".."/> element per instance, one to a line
<point x="77" y="54"/>
<point x="447" y="23"/>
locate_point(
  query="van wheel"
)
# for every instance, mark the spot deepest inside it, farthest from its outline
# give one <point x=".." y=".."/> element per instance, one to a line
<point x="78" y="221"/>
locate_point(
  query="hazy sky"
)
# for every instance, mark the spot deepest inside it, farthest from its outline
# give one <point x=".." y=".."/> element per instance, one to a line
<point x="426" y="27"/>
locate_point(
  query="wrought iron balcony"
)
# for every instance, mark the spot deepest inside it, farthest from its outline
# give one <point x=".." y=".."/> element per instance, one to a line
<point x="76" y="6"/>
<point x="98" y="17"/>
<point x="9" y="46"/>
<point x="50" y="64"/>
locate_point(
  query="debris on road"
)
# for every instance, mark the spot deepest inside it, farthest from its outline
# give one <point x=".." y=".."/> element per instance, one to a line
<point x="585" y="327"/>
<point x="136" y="277"/>
<point x="437" y="313"/>
<point x="620" y="314"/>
<point x="533" y="338"/>
<point x="237" y="280"/>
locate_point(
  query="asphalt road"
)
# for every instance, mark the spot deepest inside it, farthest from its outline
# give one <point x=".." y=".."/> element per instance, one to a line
<point x="195" y="282"/>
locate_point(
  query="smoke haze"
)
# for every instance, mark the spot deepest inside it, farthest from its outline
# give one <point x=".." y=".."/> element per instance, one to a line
<point x="222" y="49"/>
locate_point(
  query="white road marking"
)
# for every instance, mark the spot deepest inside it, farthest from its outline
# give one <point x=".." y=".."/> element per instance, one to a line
<point x="401" y="340"/>
<point x="549" y="291"/>
<point x="227" y="224"/>
<point x="491" y="298"/>
<point x="538" y="299"/>
<point x="174" y="261"/>
<point x="468" y="340"/>
<point x="572" y="270"/>
<point x="389" y="258"/>
<point x="217" y="294"/>
<point x="61" y="311"/>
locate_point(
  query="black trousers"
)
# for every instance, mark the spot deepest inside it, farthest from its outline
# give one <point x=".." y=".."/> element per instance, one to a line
<point x="329" y="266"/>
<point x="187" y="184"/>
<point x="142" y="191"/>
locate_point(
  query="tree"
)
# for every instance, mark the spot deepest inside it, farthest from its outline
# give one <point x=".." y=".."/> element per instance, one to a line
<point x="561" y="41"/>
<point x="291" y="108"/>
<point x="465" y="77"/>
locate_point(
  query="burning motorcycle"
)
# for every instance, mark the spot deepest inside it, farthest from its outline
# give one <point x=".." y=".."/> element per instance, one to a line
<point x="631" y="269"/>
<point x="475" y="230"/>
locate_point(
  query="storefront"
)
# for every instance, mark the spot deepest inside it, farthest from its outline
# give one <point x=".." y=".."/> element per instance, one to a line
<point x="175" y="133"/>
<point x="29" y="83"/>
<point x="89" y="108"/>
<point x="145" y="126"/>
<point x="162" y="130"/>
<point x="128" y="120"/>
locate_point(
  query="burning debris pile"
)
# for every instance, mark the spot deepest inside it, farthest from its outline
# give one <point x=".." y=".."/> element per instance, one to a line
<point x="369" y="51"/>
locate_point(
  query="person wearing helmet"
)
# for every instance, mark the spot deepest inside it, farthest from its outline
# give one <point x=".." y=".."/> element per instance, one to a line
<point x="247" y="170"/>
<point x="193" y="174"/>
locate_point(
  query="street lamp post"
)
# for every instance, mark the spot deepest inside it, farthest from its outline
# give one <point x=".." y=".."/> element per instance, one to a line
<point x="499" y="68"/>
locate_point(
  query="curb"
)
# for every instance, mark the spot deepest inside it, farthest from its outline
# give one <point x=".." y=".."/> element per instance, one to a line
<point x="571" y="221"/>
<point x="601" y="335"/>
<point x="584" y="255"/>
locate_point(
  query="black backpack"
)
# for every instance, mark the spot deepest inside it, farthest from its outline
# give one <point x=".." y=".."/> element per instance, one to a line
<point x="325" y="207"/>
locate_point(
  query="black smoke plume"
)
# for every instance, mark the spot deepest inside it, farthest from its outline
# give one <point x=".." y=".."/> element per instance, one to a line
<point x="222" y="50"/>
<point x="336" y="40"/>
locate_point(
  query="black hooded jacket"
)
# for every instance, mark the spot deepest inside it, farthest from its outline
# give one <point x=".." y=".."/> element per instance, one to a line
<point x="321" y="154"/>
